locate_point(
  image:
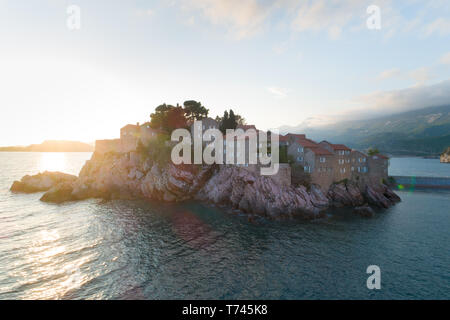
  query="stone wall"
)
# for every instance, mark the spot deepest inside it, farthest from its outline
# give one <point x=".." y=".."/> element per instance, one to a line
<point x="104" y="146"/>
<point x="283" y="176"/>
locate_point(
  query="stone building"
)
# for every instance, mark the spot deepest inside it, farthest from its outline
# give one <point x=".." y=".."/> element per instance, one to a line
<point x="297" y="145"/>
<point x="342" y="159"/>
<point x="321" y="165"/>
<point x="207" y="123"/>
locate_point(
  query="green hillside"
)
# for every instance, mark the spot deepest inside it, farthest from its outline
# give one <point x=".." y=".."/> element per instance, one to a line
<point x="424" y="132"/>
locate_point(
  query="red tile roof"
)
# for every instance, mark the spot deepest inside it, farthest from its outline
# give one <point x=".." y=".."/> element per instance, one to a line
<point x="320" y="151"/>
<point x="296" y="135"/>
<point x="340" y="147"/>
<point x="382" y="156"/>
<point x="307" y="143"/>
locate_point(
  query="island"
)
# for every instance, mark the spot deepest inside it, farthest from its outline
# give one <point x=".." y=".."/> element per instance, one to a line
<point x="52" y="146"/>
<point x="312" y="176"/>
<point x="445" y="156"/>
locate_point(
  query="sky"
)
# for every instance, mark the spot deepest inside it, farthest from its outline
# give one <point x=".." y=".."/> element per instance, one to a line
<point x="280" y="62"/>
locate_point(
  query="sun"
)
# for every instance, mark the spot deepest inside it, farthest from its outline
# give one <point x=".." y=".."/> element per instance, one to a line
<point x="52" y="161"/>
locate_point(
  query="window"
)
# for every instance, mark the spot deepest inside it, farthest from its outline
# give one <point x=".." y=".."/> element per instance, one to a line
<point x="341" y="152"/>
<point x="342" y="170"/>
<point x="299" y="159"/>
<point x="347" y="152"/>
<point x="365" y="169"/>
<point x="347" y="160"/>
<point x="341" y="161"/>
<point x="322" y="159"/>
<point x="306" y="169"/>
<point x="300" y="149"/>
<point x="353" y="168"/>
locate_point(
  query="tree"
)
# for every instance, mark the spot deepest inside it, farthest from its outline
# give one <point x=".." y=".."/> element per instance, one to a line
<point x="168" y="118"/>
<point x="194" y="110"/>
<point x="373" y="151"/>
<point x="230" y="120"/>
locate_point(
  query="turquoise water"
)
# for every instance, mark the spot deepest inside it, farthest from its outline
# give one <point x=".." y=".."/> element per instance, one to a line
<point x="419" y="167"/>
<point x="141" y="250"/>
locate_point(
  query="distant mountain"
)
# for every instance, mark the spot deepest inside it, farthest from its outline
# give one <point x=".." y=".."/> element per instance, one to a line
<point x="423" y="132"/>
<point x="52" y="146"/>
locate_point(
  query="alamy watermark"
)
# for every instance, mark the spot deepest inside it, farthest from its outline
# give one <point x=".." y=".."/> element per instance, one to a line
<point x="74" y="17"/>
<point x="374" y="20"/>
<point x="374" y="280"/>
<point x="236" y="147"/>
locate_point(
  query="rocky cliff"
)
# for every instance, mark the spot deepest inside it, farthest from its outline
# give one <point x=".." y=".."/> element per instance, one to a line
<point x="129" y="176"/>
<point x="445" y="156"/>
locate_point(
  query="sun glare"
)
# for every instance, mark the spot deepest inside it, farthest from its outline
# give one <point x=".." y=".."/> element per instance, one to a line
<point x="52" y="161"/>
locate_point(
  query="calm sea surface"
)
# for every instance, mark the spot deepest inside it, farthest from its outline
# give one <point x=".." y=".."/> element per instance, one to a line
<point x="139" y="250"/>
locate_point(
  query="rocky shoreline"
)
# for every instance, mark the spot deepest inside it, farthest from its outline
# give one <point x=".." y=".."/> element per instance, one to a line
<point x="129" y="176"/>
<point x="445" y="156"/>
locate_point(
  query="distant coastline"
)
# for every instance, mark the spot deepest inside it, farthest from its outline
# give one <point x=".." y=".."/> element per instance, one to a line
<point x="52" y="146"/>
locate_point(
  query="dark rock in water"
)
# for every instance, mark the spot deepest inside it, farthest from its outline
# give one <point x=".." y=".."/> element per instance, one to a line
<point x="41" y="182"/>
<point x="364" y="211"/>
<point x="62" y="192"/>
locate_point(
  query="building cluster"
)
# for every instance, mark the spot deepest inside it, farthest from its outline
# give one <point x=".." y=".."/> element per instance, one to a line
<point x="324" y="162"/>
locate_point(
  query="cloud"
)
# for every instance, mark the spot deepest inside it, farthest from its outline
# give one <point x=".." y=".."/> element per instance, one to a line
<point x="245" y="18"/>
<point x="440" y="26"/>
<point x="445" y="59"/>
<point x="278" y="92"/>
<point x="389" y="74"/>
<point x="144" y="12"/>
<point x="332" y="16"/>
<point x="421" y="75"/>
<point x="389" y="102"/>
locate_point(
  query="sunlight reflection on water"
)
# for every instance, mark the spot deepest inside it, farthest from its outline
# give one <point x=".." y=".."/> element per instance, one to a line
<point x="52" y="161"/>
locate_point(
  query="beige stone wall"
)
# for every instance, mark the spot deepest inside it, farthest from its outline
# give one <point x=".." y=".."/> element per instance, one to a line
<point x="293" y="151"/>
<point x="323" y="173"/>
<point x="378" y="168"/>
<point x="129" y="143"/>
<point x="104" y="146"/>
<point x="147" y="134"/>
<point x="283" y="176"/>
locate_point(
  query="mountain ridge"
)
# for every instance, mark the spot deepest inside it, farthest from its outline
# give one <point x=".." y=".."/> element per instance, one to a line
<point x="52" y="146"/>
<point x="420" y="132"/>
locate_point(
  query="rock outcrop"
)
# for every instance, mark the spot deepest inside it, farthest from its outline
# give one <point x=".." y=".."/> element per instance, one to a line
<point x="364" y="211"/>
<point x="445" y="156"/>
<point x="41" y="182"/>
<point x="128" y="176"/>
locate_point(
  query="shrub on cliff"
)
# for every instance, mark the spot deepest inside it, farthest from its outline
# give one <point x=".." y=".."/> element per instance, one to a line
<point x="158" y="150"/>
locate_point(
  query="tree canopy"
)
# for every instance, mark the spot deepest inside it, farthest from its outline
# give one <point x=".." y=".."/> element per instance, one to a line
<point x="194" y="110"/>
<point x="373" y="151"/>
<point x="230" y="120"/>
<point x="168" y="118"/>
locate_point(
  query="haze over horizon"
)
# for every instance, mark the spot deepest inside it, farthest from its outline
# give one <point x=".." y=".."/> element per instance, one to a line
<point x="274" y="62"/>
